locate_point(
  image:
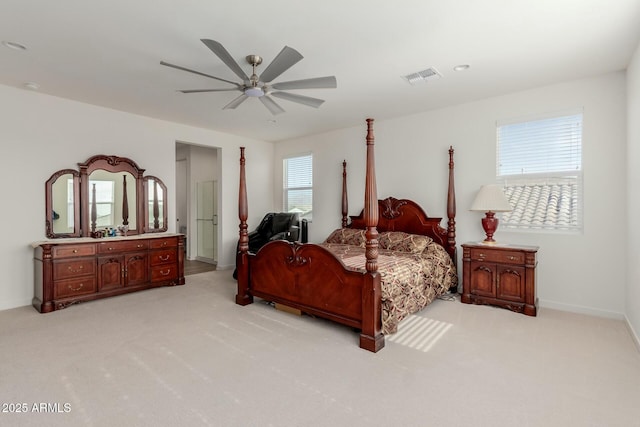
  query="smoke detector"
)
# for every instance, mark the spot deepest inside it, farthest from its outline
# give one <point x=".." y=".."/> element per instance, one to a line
<point x="422" y="76"/>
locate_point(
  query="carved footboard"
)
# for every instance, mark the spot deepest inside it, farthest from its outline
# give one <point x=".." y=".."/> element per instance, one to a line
<point x="310" y="278"/>
<point x="313" y="280"/>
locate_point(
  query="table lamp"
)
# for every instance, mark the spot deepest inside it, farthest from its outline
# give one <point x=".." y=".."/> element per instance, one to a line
<point x="490" y="199"/>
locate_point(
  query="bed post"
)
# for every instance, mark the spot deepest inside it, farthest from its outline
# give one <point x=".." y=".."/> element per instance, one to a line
<point x="371" y="337"/>
<point x="242" y="258"/>
<point x="345" y="201"/>
<point x="451" y="214"/>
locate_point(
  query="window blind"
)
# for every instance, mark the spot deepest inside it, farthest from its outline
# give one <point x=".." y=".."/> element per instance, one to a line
<point x="539" y="163"/>
<point x="298" y="185"/>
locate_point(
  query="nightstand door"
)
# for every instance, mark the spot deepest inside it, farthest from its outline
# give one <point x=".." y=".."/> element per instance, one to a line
<point x="511" y="283"/>
<point x="483" y="279"/>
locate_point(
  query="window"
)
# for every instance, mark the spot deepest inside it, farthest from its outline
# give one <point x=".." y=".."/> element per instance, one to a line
<point x="540" y="166"/>
<point x="298" y="185"/>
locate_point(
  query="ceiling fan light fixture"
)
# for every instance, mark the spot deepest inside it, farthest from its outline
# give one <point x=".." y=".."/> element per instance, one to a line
<point x="254" y="92"/>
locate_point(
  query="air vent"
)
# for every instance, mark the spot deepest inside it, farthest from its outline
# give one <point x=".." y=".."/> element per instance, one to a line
<point x="422" y="76"/>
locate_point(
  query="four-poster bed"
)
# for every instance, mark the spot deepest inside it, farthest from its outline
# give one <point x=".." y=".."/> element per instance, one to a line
<point x="359" y="284"/>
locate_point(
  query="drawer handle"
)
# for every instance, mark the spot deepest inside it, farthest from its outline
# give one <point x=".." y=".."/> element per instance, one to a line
<point x="76" y="289"/>
<point x="140" y="246"/>
<point x="512" y="258"/>
<point x="110" y="248"/>
<point x="164" y="243"/>
<point x="165" y="274"/>
<point x="481" y="255"/>
<point x="77" y="270"/>
<point x="75" y="251"/>
<point x="164" y="258"/>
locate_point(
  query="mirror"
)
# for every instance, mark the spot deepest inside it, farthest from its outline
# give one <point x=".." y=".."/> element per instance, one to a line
<point x="107" y="193"/>
<point x="113" y="191"/>
<point x="155" y="206"/>
<point x="61" y="200"/>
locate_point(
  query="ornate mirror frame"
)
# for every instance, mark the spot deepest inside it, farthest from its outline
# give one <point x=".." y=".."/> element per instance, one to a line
<point x="148" y="209"/>
<point x="51" y="205"/>
<point x="155" y="206"/>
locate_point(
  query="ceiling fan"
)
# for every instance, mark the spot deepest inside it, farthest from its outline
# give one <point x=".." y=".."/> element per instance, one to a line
<point x="260" y="86"/>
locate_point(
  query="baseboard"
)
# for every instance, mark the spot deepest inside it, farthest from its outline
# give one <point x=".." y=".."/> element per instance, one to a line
<point x="581" y="309"/>
<point x="8" y="305"/>
<point x="632" y="332"/>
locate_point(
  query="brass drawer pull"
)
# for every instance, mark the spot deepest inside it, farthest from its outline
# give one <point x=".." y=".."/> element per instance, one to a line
<point x="165" y="274"/>
<point x="78" y="270"/>
<point x="164" y="258"/>
<point x="75" y="251"/>
<point x="140" y="246"/>
<point x="76" y="289"/>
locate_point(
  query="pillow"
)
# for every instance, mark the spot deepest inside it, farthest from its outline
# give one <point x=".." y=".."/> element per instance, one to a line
<point x="348" y="236"/>
<point x="404" y="242"/>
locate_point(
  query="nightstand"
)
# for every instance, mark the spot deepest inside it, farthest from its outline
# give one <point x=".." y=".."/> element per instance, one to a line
<point x="501" y="275"/>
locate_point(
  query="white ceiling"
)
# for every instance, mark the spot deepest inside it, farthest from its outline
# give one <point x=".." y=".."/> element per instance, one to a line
<point x="108" y="53"/>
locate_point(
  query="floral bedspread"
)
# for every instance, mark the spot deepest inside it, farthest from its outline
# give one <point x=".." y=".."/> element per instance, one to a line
<point x="410" y="280"/>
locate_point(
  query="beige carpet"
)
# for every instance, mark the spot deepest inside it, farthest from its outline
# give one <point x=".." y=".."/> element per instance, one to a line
<point x="188" y="356"/>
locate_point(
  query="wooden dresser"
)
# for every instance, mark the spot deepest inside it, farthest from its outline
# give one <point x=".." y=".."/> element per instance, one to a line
<point x="502" y="275"/>
<point x="68" y="271"/>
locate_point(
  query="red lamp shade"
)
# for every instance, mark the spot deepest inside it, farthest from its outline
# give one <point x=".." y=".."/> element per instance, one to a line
<point x="490" y="199"/>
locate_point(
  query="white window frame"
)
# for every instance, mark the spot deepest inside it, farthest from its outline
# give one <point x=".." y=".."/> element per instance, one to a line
<point x="551" y="184"/>
<point x="304" y="212"/>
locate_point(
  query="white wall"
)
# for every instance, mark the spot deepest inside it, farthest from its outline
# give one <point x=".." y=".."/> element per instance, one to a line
<point x="633" y="195"/>
<point x="41" y="134"/>
<point x="582" y="273"/>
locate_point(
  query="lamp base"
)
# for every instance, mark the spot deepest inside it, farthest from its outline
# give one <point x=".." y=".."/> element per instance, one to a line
<point x="490" y="225"/>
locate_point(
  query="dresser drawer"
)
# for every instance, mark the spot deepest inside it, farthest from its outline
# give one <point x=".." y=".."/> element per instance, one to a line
<point x="74" y="287"/>
<point x="160" y="273"/>
<point x="74" y="268"/>
<point x="169" y="242"/>
<point x="122" y="246"/>
<point x="492" y="255"/>
<point x="167" y="256"/>
<point x="66" y="251"/>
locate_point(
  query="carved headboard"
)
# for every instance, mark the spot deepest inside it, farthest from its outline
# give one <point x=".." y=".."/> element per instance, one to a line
<point x="406" y="215"/>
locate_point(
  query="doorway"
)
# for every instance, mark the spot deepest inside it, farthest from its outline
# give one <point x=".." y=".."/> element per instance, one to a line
<point x="207" y="221"/>
<point x="198" y="200"/>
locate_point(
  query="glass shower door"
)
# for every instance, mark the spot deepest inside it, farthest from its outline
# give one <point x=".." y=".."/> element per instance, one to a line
<point x="207" y="221"/>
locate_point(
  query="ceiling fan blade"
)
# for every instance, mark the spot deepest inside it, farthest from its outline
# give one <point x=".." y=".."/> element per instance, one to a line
<point x="300" y="99"/>
<point x="233" y="104"/>
<point x="271" y="105"/>
<point x="177" y="67"/>
<point x="207" y="90"/>
<point x="281" y="63"/>
<point x="315" y="83"/>
<point x="226" y="57"/>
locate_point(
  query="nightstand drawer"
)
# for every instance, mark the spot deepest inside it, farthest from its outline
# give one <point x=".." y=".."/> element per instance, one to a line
<point x="507" y="257"/>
